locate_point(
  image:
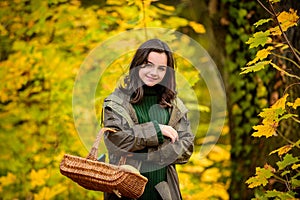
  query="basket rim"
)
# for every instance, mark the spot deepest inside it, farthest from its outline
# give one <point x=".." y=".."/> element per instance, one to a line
<point x="98" y="163"/>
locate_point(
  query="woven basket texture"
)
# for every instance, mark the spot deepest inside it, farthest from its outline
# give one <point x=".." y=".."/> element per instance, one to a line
<point x="100" y="176"/>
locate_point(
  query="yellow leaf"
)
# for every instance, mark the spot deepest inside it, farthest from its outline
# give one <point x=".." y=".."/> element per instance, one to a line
<point x="261" y="55"/>
<point x="7" y="180"/>
<point x="282" y="150"/>
<point x="48" y="193"/>
<point x="280" y="103"/>
<point x="275" y="31"/>
<point x="211" y="175"/>
<point x="39" y="177"/>
<point x="288" y="19"/>
<point x="219" y="154"/>
<point x="166" y="7"/>
<point x="266" y="130"/>
<point x="268" y="114"/>
<point x="295" y="104"/>
<point x="198" y="28"/>
<point x="176" y="21"/>
<point x="295" y="166"/>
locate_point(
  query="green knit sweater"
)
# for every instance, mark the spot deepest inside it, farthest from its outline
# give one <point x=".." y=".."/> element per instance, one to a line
<point x="149" y="110"/>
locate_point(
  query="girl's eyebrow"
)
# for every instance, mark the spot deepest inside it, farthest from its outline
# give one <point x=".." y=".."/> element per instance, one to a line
<point x="154" y="64"/>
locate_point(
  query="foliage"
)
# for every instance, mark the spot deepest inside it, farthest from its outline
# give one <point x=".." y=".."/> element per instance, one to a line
<point x="246" y="95"/>
<point x="286" y="170"/>
<point x="43" y="44"/>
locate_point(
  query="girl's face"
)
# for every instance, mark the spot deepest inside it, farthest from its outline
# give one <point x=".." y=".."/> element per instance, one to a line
<point x="154" y="70"/>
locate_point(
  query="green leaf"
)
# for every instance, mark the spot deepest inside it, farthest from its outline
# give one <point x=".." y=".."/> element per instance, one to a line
<point x="259" y="38"/>
<point x="261" y="22"/>
<point x="274" y="1"/>
<point x="287" y="116"/>
<point x="281" y="195"/>
<point x="254" y="68"/>
<point x="295" y="182"/>
<point x="261" y="177"/>
<point x="287" y="160"/>
<point x="285" y="173"/>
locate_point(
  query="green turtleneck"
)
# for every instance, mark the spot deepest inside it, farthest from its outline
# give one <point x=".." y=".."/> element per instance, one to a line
<point x="149" y="110"/>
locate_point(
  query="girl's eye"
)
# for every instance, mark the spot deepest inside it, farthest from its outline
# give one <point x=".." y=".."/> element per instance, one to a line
<point x="149" y="65"/>
<point x="162" y="69"/>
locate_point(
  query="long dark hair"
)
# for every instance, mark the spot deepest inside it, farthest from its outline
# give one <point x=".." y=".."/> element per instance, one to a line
<point x="132" y="82"/>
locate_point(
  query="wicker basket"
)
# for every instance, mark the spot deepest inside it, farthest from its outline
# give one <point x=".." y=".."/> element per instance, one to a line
<point x="99" y="176"/>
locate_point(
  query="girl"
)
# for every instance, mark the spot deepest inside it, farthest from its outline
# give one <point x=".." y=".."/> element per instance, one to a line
<point x="153" y="132"/>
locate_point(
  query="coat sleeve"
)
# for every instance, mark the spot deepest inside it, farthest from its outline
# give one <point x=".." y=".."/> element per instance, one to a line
<point x="128" y="138"/>
<point x="178" y="152"/>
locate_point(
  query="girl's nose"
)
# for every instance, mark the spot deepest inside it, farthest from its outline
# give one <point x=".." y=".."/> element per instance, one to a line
<point x="154" y="71"/>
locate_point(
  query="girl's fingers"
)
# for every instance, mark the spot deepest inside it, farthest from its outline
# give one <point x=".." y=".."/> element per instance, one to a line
<point x="170" y="132"/>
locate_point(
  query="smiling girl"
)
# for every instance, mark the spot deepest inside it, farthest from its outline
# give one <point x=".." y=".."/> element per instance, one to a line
<point x="153" y="131"/>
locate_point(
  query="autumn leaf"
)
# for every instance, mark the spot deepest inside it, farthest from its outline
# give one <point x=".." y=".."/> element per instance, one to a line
<point x="261" y="177"/>
<point x="261" y="22"/>
<point x="295" y="104"/>
<point x="261" y="55"/>
<point x="295" y="166"/>
<point x="269" y="167"/>
<point x="280" y="103"/>
<point x="50" y="192"/>
<point x="266" y="130"/>
<point x="280" y="195"/>
<point x="8" y="179"/>
<point x="259" y="38"/>
<point x="286" y="20"/>
<point x="288" y="159"/>
<point x="198" y="28"/>
<point x="271" y="117"/>
<point x="166" y="7"/>
<point x="254" y="68"/>
<point x="39" y="177"/>
<point x="282" y="150"/>
<point x="271" y="114"/>
<point x="274" y="1"/>
<point x="287" y="116"/>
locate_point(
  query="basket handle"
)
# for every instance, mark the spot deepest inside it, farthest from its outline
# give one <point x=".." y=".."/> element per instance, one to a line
<point x="94" y="151"/>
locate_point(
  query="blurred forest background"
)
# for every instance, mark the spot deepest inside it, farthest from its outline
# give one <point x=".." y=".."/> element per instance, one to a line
<point x="44" y="43"/>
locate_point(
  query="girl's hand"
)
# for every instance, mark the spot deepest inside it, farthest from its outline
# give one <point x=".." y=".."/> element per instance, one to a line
<point x="169" y="132"/>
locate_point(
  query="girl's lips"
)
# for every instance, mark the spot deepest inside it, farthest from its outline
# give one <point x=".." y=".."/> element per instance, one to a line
<point x="151" y="78"/>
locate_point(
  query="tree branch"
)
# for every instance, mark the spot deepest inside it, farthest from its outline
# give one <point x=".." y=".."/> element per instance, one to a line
<point x="284" y="35"/>
<point x="264" y="7"/>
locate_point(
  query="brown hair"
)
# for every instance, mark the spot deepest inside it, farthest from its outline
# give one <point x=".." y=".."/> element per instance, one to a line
<point x="133" y="84"/>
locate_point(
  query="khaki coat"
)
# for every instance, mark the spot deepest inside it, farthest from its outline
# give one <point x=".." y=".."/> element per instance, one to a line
<point x="132" y="137"/>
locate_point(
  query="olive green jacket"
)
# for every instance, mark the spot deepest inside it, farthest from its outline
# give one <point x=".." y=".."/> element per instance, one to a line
<point x="132" y="137"/>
